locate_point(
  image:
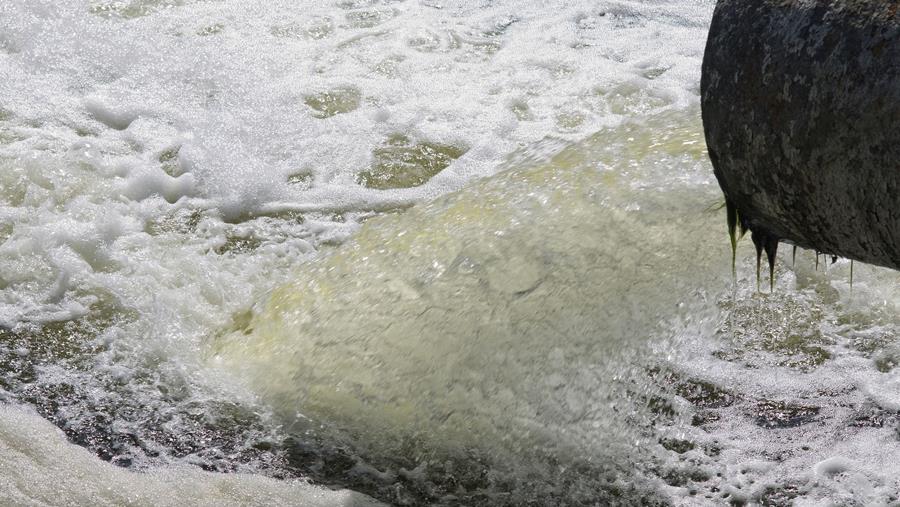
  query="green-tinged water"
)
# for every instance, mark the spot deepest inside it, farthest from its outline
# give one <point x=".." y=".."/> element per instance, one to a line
<point x="503" y="327"/>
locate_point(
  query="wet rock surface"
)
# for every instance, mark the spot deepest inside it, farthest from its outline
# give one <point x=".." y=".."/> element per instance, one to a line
<point x="801" y="103"/>
<point x="779" y="414"/>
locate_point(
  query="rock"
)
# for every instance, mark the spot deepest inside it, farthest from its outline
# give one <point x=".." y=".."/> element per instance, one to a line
<point x="801" y="108"/>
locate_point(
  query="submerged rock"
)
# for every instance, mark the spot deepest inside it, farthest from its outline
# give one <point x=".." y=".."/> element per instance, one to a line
<point x="400" y="163"/>
<point x="779" y="414"/>
<point x="801" y="107"/>
<point x="39" y="467"/>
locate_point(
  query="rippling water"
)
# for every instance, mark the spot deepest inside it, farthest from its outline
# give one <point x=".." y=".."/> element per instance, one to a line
<point x="461" y="253"/>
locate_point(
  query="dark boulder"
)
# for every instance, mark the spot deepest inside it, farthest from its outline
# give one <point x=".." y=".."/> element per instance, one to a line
<point x="801" y="108"/>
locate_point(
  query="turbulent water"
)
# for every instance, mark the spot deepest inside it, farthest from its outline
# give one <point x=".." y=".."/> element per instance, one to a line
<point x="437" y="253"/>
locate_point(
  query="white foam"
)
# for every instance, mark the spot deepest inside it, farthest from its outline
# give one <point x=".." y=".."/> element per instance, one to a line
<point x="833" y="466"/>
<point x="814" y="343"/>
<point x="234" y="96"/>
<point x="94" y="93"/>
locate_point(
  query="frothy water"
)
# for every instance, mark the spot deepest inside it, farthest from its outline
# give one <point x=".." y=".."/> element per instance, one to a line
<point x="501" y="327"/>
<point x="186" y="281"/>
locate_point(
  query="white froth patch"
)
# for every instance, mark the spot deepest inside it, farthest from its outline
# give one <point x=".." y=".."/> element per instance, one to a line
<point x="832" y="466"/>
<point x="232" y="76"/>
<point x="818" y="347"/>
<point x="110" y="115"/>
<point x="39" y="467"/>
<point x="138" y="110"/>
<point x="154" y="182"/>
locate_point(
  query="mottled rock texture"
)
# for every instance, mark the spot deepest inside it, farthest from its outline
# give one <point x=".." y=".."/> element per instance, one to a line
<point x="801" y="107"/>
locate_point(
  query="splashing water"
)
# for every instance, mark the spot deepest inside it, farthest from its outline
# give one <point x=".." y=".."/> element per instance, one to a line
<point x="186" y="280"/>
<point x="504" y="324"/>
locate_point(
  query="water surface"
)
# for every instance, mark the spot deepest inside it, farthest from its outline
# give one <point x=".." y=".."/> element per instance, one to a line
<point x="439" y="253"/>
